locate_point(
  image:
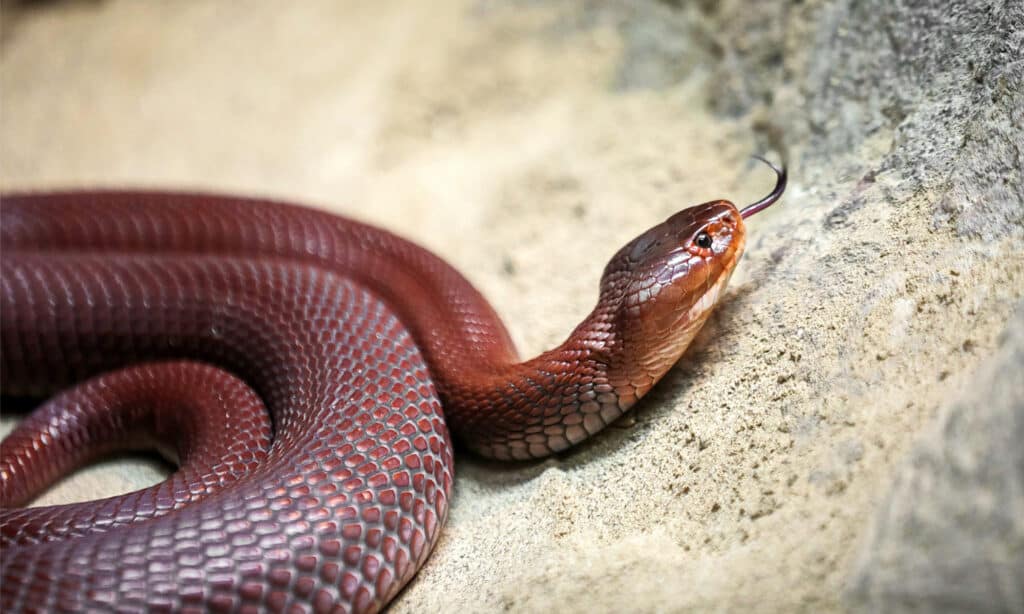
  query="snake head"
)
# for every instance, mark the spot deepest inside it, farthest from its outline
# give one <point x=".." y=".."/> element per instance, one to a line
<point x="662" y="286"/>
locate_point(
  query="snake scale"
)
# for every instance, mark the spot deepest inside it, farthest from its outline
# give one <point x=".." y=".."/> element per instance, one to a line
<point x="303" y="371"/>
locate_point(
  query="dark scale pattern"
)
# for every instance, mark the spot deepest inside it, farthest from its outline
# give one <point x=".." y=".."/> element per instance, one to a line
<point x="208" y="421"/>
<point x="354" y="487"/>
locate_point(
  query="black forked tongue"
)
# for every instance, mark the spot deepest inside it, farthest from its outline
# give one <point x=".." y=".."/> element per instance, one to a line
<point x="767" y="201"/>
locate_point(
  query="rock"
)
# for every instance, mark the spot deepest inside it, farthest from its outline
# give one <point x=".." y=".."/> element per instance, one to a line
<point x="949" y="536"/>
<point x="940" y="85"/>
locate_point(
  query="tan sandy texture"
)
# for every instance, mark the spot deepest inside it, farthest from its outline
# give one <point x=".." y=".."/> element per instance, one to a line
<point x="509" y="139"/>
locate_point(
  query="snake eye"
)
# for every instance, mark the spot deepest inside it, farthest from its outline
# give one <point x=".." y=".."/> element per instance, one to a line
<point x="703" y="240"/>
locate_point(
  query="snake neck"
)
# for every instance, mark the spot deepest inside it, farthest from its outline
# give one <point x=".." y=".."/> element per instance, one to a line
<point x="508" y="409"/>
<point x="528" y="409"/>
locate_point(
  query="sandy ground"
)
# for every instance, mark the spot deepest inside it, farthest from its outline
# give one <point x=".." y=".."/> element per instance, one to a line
<point x="492" y="136"/>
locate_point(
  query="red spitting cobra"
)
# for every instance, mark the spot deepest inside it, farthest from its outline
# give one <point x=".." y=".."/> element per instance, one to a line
<point x="294" y="365"/>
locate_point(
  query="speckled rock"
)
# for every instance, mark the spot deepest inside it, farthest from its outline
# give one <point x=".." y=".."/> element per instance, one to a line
<point x="949" y="537"/>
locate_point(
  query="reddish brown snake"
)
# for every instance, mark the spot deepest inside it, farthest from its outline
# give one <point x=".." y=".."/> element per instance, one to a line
<point x="295" y="365"/>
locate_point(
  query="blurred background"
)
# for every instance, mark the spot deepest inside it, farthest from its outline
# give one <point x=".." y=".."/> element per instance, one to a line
<point x="845" y="432"/>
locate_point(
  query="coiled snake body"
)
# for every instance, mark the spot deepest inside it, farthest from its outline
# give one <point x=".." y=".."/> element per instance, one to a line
<point x="295" y="365"/>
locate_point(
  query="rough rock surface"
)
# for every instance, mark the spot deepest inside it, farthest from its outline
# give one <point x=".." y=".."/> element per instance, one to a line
<point x="525" y="142"/>
<point x="950" y="535"/>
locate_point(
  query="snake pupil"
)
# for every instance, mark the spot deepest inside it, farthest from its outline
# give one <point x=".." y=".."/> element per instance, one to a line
<point x="704" y="240"/>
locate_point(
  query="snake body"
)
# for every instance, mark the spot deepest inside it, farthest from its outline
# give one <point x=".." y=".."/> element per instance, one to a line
<point x="303" y="370"/>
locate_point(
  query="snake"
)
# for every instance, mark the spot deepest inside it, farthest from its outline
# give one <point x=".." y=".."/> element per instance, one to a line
<point x="307" y="374"/>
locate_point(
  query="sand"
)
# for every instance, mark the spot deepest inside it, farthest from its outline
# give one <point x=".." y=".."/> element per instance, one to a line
<point x="525" y="143"/>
